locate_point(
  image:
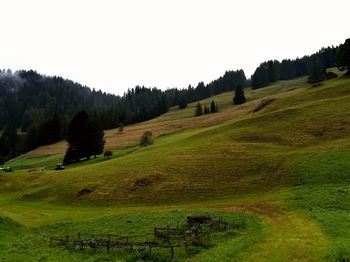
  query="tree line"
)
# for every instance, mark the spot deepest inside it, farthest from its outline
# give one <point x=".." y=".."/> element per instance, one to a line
<point x="274" y="70"/>
<point x="36" y="109"/>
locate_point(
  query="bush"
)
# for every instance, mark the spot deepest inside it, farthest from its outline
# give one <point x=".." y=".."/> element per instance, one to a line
<point x="108" y="154"/>
<point x="146" y="139"/>
<point x="199" y="110"/>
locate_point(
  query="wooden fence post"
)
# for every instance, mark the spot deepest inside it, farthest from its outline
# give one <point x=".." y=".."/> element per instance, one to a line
<point x="109" y="240"/>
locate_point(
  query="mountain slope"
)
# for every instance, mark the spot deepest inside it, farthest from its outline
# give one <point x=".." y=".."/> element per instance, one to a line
<point x="285" y="164"/>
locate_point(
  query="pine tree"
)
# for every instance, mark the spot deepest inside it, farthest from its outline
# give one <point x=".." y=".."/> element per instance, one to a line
<point x="343" y="56"/>
<point x="95" y="140"/>
<point x="85" y="138"/>
<point x="212" y="107"/>
<point x="316" y="70"/>
<point x="199" y="110"/>
<point x="239" y="96"/>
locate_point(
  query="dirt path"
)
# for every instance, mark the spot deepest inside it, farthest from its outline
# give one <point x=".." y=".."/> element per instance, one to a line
<point x="291" y="236"/>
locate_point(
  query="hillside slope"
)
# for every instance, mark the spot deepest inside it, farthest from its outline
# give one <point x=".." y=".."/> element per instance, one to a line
<point x="246" y="153"/>
<point x="286" y="164"/>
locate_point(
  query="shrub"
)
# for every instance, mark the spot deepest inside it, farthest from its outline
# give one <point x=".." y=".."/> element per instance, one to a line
<point x="199" y="110"/>
<point x="108" y="154"/>
<point x="146" y="139"/>
<point x="121" y="128"/>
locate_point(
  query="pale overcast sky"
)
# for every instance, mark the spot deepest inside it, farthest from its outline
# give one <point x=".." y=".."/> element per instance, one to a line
<point x="114" y="45"/>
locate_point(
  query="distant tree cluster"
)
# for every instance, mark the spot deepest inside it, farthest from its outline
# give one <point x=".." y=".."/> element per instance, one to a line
<point x="228" y="82"/>
<point x="200" y="110"/>
<point x="85" y="138"/>
<point x="273" y="70"/>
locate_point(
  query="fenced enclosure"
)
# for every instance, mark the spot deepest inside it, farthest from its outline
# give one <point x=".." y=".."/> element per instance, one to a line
<point x="195" y="232"/>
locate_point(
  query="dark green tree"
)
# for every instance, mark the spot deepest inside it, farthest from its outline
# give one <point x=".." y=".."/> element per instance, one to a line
<point x="95" y="138"/>
<point x="77" y="138"/>
<point x="239" y="97"/>
<point x="212" y="107"/>
<point x="317" y="72"/>
<point x="85" y="138"/>
<point x="343" y="56"/>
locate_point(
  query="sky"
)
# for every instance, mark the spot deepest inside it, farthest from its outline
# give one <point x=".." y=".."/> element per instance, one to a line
<point x="114" y="45"/>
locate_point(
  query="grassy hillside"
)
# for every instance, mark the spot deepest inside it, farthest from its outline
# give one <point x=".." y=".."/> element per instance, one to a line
<point x="284" y="168"/>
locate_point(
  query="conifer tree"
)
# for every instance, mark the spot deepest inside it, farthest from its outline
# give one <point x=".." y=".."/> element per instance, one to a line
<point x="85" y="138"/>
<point x="212" y="107"/>
<point x="316" y="70"/>
<point x="343" y="56"/>
<point x="239" y="96"/>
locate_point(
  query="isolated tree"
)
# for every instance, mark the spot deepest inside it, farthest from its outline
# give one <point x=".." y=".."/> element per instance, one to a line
<point x="343" y="56"/>
<point x="316" y="70"/>
<point x="77" y="138"/>
<point x="212" y="107"/>
<point x="199" y="110"/>
<point x="85" y="138"/>
<point x="95" y="138"/>
<point x="239" y="97"/>
<point x="146" y="139"/>
<point x="206" y="110"/>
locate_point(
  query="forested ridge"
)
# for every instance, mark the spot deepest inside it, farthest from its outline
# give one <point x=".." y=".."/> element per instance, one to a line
<point x="274" y="70"/>
<point x="36" y="109"/>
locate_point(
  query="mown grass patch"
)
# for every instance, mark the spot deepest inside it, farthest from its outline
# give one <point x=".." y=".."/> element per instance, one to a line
<point x="322" y="190"/>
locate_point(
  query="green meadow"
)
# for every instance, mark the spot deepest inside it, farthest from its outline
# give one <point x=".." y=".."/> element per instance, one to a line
<point x="280" y="175"/>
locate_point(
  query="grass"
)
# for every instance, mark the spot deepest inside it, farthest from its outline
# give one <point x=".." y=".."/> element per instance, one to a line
<point x="284" y="168"/>
<point x="322" y="191"/>
<point x="33" y="241"/>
